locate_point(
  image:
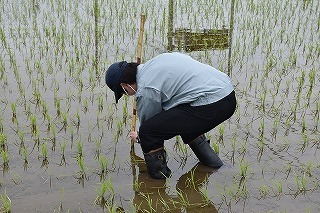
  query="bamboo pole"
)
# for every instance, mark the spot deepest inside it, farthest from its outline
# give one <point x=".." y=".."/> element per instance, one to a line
<point x="140" y="42"/>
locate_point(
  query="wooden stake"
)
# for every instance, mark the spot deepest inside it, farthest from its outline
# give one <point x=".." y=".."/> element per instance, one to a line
<point x="140" y="42"/>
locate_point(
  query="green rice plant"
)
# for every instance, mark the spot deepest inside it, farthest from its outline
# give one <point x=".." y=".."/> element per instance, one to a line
<point x="242" y="192"/>
<point x="233" y="147"/>
<point x="263" y="97"/>
<point x="312" y="77"/>
<point x="215" y="147"/>
<point x="243" y="168"/>
<point x="287" y="88"/>
<point x="25" y="159"/>
<point x="305" y="142"/>
<point x="125" y="111"/>
<point x="261" y="128"/>
<point x="1" y="125"/>
<point x="103" y="161"/>
<point x="149" y="202"/>
<point x="64" y="116"/>
<point x="44" y="155"/>
<point x="63" y="149"/>
<point x="183" y="199"/>
<point x="85" y="105"/>
<point x="221" y="133"/>
<point x="206" y="197"/>
<point x="308" y="168"/>
<point x="82" y="173"/>
<point x="3" y="142"/>
<point x="6" y="203"/>
<point x="48" y="117"/>
<point x="53" y="138"/>
<point x="14" y="112"/>
<point x="61" y="199"/>
<point x="44" y="108"/>
<point x="301" y="183"/>
<point x="71" y="135"/>
<point x="181" y="149"/>
<point x="98" y="147"/>
<point x="316" y="116"/>
<point x="264" y="190"/>
<point x="5" y="159"/>
<point x="119" y="127"/>
<point x="136" y="185"/>
<point x="77" y="122"/>
<point x="79" y="149"/>
<point x="21" y="137"/>
<point x="100" y="103"/>
<point x="279" y="186"/>
<point x="274" y="129"/>
<point x="261" y="145"/>
<point x="106" y="186"/>
<point x="34" y="126"/>
<point x="58" y="107"/>
<point x="89" y="131"/>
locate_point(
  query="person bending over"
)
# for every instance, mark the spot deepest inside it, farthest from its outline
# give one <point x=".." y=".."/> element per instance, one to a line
<point x="176" y="95"/>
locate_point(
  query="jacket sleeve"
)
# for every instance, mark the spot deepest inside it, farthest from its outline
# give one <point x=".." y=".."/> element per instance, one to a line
<point x="147" y="108"/>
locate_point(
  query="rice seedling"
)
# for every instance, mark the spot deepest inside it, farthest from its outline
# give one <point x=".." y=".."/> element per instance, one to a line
<point x="64" y="116"/>
<point x="264" y="191"/>
<point x="82" y="173"/>
<point x="98" y="147"/>
<point x="14" y="113"/>
<point x="63" y="149"/>
<point x="221" y="133"/>
<point x="103" y="161"/>
<point x="1" y="126"/>
<point x="215" y="147"/>
<point x="301" y="184"/>
<point x="79" y="149"/>
<point x="34" y="127"/>
<point x="48" y="117"/>
<point x="6" y="203"/>
<point x="100" y="103"/>
<point x="3" y="142"/>
<point x="5" y="159"/>
<point x="244" y="165"/>
<point x="85" y="106"/>
<point x="279" y="187"/>
<point x="61" y="199"/>
<point x="106" y="186"/>
<point x="77" y="121"/>
<point x="44" y="156"/>
<point x="25" y="159"/>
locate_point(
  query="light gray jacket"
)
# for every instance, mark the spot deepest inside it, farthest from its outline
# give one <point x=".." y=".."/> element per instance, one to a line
<point x="171" y="79"/>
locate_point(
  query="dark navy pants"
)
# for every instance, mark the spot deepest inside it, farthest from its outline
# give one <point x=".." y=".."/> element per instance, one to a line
<point x="187" y="121"/>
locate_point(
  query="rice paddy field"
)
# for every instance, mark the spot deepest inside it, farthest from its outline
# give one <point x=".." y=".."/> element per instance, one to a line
<point x="64" y="142"/>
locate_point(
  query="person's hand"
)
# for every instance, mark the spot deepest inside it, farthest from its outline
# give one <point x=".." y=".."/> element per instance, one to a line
<point x="134" y="136"/>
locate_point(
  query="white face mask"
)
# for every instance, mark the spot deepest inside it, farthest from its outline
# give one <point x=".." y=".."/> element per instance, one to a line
<point x="125" y="91"/>
<point x="132" y="88"/>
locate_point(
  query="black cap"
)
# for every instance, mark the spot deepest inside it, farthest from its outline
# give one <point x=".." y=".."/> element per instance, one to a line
<point x="113" y="75"/>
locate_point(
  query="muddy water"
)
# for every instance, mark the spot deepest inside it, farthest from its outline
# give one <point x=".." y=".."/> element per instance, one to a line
<point x="47" y="59"/>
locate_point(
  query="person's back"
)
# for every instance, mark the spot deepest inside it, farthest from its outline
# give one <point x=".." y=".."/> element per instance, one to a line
<point x="181" y="79"/>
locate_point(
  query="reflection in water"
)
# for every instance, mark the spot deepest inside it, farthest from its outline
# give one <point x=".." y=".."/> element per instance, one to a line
<point x="151" y="195"/>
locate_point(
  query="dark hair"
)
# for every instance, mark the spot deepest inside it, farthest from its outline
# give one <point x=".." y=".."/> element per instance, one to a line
<point x="129" y="75"/>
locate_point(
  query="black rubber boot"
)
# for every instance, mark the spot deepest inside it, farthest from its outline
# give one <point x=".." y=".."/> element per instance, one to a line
<point x="202" y="149"/>
<point x="157" y="164"/>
